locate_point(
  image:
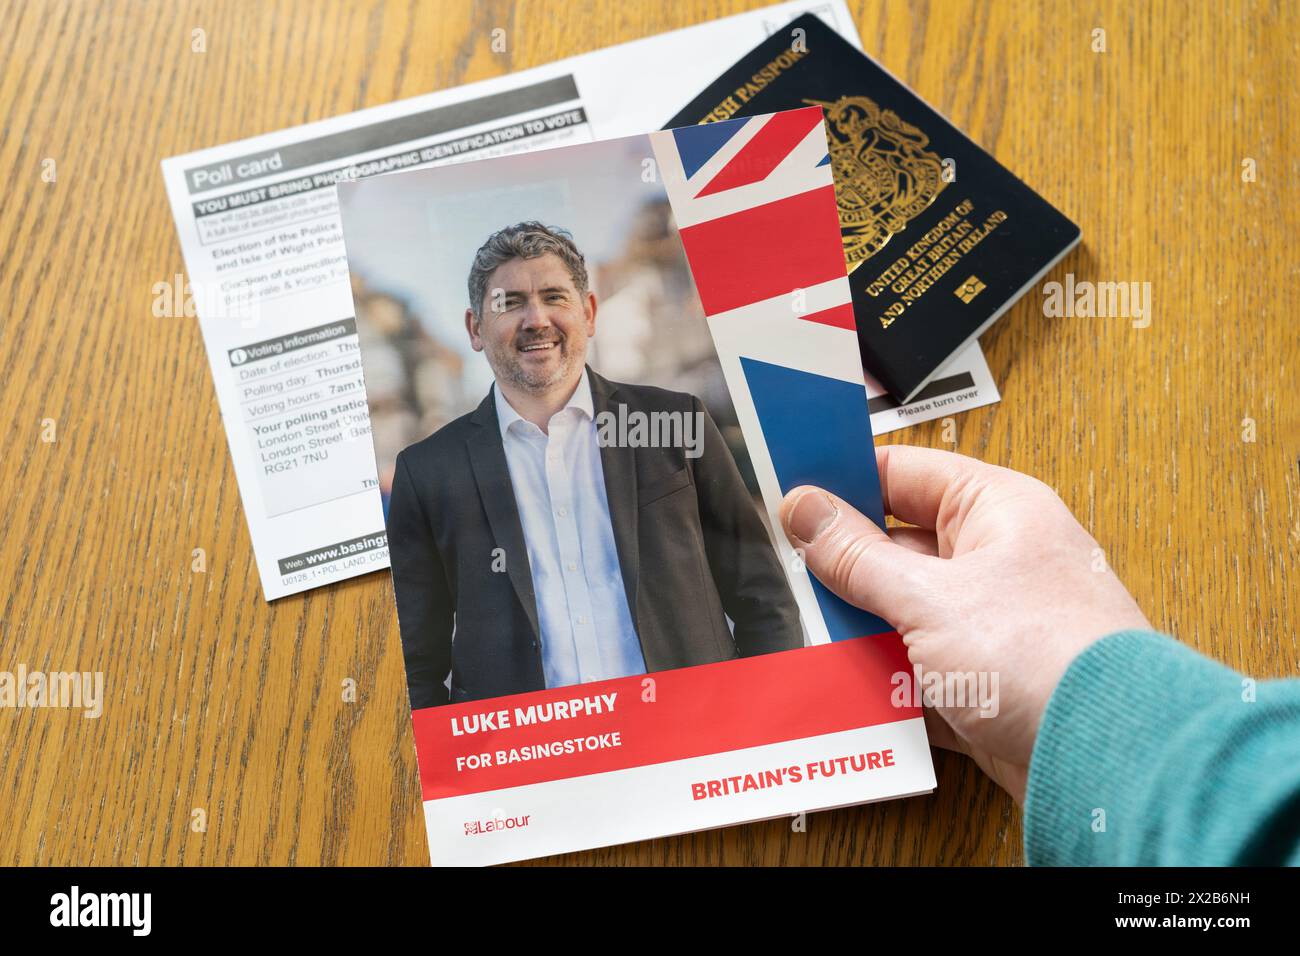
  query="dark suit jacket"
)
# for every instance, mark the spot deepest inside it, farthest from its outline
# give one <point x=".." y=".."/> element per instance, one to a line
<point x="690" y="544"/>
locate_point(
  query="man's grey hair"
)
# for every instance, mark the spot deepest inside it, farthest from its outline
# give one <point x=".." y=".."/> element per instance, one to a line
<point x="523" y="240"/>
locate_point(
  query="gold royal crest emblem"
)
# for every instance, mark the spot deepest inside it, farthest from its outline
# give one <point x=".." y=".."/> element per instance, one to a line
<point x="884" y="175"/>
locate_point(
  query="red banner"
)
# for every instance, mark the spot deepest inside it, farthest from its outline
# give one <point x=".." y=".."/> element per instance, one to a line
<point x="654" y="718"/>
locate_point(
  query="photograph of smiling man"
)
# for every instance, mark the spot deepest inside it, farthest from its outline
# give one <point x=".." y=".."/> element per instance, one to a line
<point x="570" y="528"/>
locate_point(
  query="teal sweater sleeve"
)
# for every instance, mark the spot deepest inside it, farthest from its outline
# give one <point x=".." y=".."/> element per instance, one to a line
<point x="1151" y="755"/>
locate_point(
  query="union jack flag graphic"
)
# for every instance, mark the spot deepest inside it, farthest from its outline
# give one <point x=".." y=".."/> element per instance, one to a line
<point x="755" y="204"/>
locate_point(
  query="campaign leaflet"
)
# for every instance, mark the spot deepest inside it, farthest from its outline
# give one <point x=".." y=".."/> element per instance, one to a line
<point x="592" y="374"/>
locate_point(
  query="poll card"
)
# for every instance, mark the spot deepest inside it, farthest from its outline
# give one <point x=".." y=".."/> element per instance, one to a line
<point x="259" y="228"/>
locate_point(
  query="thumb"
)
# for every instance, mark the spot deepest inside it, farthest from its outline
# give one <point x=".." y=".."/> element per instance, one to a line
<point x="853" y="557"/>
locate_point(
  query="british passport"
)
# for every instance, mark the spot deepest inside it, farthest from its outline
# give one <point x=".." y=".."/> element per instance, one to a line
<point x="940" y="239"/>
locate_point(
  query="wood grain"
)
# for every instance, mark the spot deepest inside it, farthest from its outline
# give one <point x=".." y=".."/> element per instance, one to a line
<point x="217" y="700"/>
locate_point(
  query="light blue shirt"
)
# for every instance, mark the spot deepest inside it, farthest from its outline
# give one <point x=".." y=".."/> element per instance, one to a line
<point x="559" y="483"/>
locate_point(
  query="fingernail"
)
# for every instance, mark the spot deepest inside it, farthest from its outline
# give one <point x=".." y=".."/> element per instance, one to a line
<point x="810" y="515"/>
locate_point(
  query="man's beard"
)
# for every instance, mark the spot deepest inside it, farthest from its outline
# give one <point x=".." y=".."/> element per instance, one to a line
<point x="507" y="364"/>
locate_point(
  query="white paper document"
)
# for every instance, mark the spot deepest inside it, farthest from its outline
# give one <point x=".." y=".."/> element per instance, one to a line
<point x="259" y="227"/>
<point x="962" y="384"/>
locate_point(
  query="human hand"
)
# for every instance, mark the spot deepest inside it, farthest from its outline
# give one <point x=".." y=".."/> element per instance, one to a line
<point x="995" y="575"/>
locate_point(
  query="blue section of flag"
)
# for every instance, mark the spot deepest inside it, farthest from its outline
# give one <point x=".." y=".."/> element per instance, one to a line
<point x="697" y="144"/>
<point x="818" y="433"/>
<point x="826" y="160"/>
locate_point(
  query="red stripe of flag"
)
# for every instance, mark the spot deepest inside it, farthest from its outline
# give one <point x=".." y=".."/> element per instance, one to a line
<point x="840" y="316"/>
<point x="769" y="250"/>
<point x="762" y="154"/>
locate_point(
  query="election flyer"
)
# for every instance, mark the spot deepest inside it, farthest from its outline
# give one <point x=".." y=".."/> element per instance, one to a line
<point x="593" y="373"/>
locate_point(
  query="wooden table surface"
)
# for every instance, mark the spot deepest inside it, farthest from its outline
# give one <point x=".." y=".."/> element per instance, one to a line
<point x="218" y="701"/>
